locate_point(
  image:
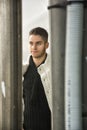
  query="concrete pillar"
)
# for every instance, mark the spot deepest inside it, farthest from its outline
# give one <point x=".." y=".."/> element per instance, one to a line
<point x="57" y="30"/>
<point x="10" y="64"/>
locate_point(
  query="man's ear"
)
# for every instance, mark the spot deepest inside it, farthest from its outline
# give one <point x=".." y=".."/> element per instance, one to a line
<point x="47" y="45"/>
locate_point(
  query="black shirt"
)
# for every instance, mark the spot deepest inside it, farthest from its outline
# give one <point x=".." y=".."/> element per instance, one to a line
<point x="37" y="115"/>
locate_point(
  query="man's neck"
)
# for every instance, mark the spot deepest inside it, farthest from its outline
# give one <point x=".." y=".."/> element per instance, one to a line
<point x="39" y="60"/>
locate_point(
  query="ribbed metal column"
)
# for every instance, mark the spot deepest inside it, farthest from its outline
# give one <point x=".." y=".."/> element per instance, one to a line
<point x="84" y="70"/>
<point x="73" y="66"/>
<point x="10" y="64"/>
<point x="57" y="31"/>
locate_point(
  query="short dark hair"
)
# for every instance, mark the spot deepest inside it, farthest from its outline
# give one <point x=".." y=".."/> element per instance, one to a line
<point x="40" y="31"/>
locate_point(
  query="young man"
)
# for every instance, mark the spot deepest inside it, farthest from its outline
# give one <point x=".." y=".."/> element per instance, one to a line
<point x="36" y="83"/>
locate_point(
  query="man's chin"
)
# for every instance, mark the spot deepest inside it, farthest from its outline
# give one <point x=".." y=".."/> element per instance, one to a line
<point x="35" y="56"/>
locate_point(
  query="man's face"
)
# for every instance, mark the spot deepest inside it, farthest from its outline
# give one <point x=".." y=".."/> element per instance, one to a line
<point x="37" y="46"/>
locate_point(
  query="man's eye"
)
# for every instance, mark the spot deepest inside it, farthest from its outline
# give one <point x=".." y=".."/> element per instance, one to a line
<point x="30" y="43"/>
<point x="38" y="43"/>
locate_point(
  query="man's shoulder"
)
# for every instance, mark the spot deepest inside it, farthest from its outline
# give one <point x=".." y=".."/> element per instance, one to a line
<point x="25" y="65"/>
<point x="48" y="59"/>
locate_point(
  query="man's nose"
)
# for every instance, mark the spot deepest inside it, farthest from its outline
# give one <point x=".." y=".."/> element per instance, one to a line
<point x="34" y="46"/>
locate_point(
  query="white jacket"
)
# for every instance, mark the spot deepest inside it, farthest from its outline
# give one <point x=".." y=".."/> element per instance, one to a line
<point x="44" y="71"/>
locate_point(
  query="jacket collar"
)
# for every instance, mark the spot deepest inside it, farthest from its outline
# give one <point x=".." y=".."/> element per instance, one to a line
<point x="26" y="64"/>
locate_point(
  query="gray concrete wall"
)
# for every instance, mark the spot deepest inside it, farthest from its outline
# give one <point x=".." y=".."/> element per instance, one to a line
<point x="57" y="31"/>
<point x="10" y="65"/>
